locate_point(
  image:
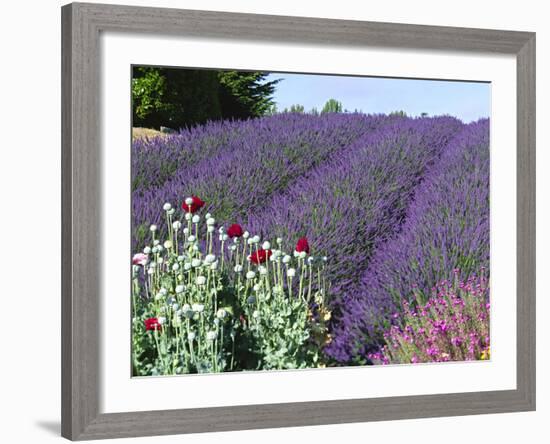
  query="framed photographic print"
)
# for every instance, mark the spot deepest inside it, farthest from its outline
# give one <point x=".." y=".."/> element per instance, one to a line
<point x="277" y="221"/>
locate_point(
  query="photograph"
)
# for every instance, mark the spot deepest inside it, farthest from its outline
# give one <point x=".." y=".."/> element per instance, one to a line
<point x="285" y="221"/>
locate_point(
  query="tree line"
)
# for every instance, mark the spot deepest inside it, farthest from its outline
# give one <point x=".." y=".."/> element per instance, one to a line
<point x="178" y="98"/>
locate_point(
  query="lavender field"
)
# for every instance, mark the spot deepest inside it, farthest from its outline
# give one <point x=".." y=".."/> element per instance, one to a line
<point x="297" y="240"/>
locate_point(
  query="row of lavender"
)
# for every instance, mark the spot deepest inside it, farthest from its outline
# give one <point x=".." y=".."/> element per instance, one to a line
<point x="236" y="166"/>
<point x="445" y="235"/>
<point x="352" y="203"/>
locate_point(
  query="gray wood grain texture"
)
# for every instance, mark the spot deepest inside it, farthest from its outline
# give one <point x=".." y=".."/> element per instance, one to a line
<point x="81" y="206"/>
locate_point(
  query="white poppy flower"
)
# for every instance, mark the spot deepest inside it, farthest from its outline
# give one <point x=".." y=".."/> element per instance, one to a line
<point x="196" y="262"/>
<point x="199" y="308"/>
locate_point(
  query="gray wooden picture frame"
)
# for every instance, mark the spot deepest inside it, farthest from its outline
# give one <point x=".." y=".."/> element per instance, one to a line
<point x="81" y="232"/>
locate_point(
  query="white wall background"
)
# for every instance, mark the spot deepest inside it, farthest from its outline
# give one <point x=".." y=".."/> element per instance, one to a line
<point x="30" y="222"/>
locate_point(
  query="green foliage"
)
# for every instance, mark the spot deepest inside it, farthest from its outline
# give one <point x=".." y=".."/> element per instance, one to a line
<point x="332" y="106"/>
<point x="272" y="110"/>
<point x="245" y="94"/>
<point x="295" y="109"/>
<point x="177" y="98"/>
<point x="400" y="113"/>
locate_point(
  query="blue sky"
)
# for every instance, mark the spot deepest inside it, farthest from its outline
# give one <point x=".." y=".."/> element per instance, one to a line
<point x="466" y="100"/>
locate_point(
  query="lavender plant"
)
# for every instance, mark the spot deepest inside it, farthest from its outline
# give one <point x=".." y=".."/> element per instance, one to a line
<point x="255" y="160"/>
<point x="446" y="227"/>
<point x="245" y="305"/>
<point x="355" y="201"/>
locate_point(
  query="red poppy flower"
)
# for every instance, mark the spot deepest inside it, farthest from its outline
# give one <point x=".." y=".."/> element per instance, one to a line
<point x="235" y="230"/>
<point x="197" y="204"/>
<point x="302" y="245"/>
<point x="152" y="324"/>
<point x="260" y="256"/>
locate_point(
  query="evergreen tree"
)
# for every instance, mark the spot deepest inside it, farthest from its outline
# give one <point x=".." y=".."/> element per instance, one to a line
<point x="178" y="98"/>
